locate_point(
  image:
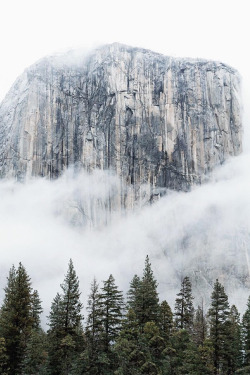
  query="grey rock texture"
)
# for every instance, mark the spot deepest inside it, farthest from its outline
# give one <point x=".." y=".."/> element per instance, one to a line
<point x="156" y="121"/>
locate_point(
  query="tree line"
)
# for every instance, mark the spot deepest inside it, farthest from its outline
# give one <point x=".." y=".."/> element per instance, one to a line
<point x="139" y="336"/>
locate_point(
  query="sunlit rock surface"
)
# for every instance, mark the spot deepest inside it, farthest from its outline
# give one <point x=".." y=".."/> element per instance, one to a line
<point x="158" y="122"/>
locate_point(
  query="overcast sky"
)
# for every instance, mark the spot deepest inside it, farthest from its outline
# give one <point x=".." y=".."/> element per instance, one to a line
<point x="30" y="29"/>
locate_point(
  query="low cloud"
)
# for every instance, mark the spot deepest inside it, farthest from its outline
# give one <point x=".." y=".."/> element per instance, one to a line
<point x="204" y="233"/>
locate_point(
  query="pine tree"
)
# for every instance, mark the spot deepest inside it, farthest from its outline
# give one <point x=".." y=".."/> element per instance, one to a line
<point x="36" y="309"/>
<point x="166" y="320"/>
<point x="233" y="343"/>
<point x="36" y="355"/>
<point x="66" y="334"/>
<point x="218" y="316"/>
<point x="132" y="295"/>
<point x="154" y="344"/>
<point x="94" y="323"/>
<point x="184" y="310"/>
<point x="200" y="326"/>
<point x="55" y="335"/>
<point x="3" y="357"/>
<point x="147" y="300"/>
<point x="205" y="365"/>
<point x="246" y="335"/>
<point x="130" y="327"/>
<point x="127" y="347"/>
<point x="16" y="319"/>
<point x="110" y="307"/>
<point x="71" y="305"/>
<point x="111" y="301"/>
<point x="149" y="368"/>
<point x="185" y="357"/>
<point x="94" y="330"/>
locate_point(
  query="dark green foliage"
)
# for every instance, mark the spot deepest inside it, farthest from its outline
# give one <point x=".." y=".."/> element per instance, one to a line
<point x="233" y="343"/>
<point x="218" y="316"/>
<point x="132" y="295"/>
<point x="94" y="331"/>
<point x="130" y="327"/>
<point x="111" y="302"/>
<point x="143" y="342"/>
<point x="127" y="348"/>
<point x="199" y="326"/>
<point x="3" y="357"/>
<point x="146" y="302"/>
<point x="104" y="324"/>
<point x="36" y="309"/>
<point x="65" y="336"/>
<point x="205" y="364"/>
<point x="36" y="355"/>
<point x="184" y="310"/>
<point x="16" y="319"/>
<point x="185" y="356"/>
<point x="165" y="320"/>
<point x="70" y="304"/>
<point x="56" y="313"/>
<point x="246" y="335"/>
<point x="149" y="368"/>
<point x="139" y="352"/>
<point x="94" y="328"/>
<point x="153" y="343"/>
<point x="188" y="359"/>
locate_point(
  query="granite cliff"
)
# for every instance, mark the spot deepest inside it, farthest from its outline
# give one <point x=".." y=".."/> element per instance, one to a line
<point x="158" y="122"/>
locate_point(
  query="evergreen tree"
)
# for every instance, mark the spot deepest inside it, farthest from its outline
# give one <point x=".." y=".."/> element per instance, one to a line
<point x="147" y="300"/>
<point x="94" y="330"/>
<point x="184" y="310"/>
<point x="127" y="348"/>
<point x="110" y="307"/>
<point x="132" y="295"/>
<point x="65" y="334"/>
<point x="56" y="314"/>
<point x="36" y="309"/>
<point x="149" y="368"/>
<point x="71" y="305"/>
<point x="200" y="326"/>
<point x="233" y="343"/>
<point x="185" y="357"/>
<point x="218" y="316"/>
<point x="111" y="301"/>
<point x="154" y="344"/>
<point x="205" y="365"/>
<point x="246" y="335"/>
<point x="36" y="355"/>
<point x="130" y="327"/>
<point x="55" y="335"/>
<point x="16" y="320"/>
<point x="3" y="357"/>
<point x="166" y="320"/>
<point x="94" y="324"/>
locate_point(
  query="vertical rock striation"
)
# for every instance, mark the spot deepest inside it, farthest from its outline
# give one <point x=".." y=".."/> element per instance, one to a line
<point x="156" y="121"/>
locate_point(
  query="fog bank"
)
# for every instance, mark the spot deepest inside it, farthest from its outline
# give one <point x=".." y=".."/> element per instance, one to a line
<point x="204" y="233"/>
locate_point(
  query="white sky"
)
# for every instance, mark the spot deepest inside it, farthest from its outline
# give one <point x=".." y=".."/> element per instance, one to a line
<point x="212" y="29"/>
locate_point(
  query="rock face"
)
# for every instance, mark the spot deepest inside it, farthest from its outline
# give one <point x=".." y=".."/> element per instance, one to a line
<point x="158" y="122"/>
